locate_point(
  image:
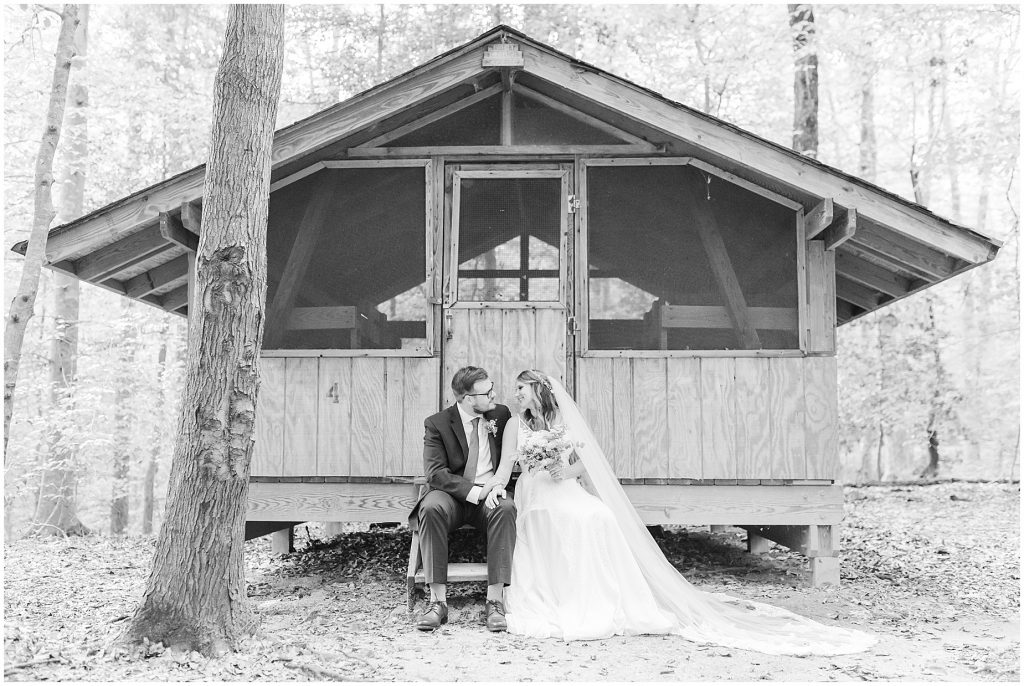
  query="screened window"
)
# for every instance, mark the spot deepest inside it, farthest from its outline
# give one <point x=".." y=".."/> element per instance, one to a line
<point x="346" y="255"/>
<point x="508" y="235"/>
<point x="680" y="260"/>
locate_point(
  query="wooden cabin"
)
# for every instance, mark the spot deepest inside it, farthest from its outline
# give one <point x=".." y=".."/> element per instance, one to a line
<point x="507" y="206"/>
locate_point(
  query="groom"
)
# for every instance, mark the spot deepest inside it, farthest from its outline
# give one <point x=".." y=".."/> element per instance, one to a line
<point x="461" y="452"/>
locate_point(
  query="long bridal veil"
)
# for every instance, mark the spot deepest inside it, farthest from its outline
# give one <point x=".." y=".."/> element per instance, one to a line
<point x="710" y="618"/>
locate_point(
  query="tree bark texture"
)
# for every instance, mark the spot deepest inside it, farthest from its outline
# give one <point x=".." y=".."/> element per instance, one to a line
<point x="24" y="301"/>
<point x="56" y="512"/>
<point x="196" y="596"/>
<point x="805" y="80"/>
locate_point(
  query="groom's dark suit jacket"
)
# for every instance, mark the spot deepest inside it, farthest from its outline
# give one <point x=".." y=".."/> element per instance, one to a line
<point x="445" y="451"/>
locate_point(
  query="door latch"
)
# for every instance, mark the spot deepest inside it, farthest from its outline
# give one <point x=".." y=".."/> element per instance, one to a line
<point x="574" y="203"/>
<point x="448" y="326"/>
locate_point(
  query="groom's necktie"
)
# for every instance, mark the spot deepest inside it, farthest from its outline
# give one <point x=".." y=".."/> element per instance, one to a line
<point x="474" y="451"/>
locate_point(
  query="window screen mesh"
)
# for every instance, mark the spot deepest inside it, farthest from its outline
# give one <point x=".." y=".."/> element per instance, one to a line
<point x="363" y="284"/>
<point x="509" y="240"/>
<point x="665" y="273"/>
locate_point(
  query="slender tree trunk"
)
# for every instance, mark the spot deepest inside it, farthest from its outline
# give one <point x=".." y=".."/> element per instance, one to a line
<point x="126" y="423"/>
<point x="56" y="510"/>
<point x="381" y="25"/>
<point x="868" y="166"/>
<point x="196" y="596"/>
<point x="149" y="481"/>
<point x="805" y="82"/>
<point x="939" y="404"/>
<point x="23" y="304"/>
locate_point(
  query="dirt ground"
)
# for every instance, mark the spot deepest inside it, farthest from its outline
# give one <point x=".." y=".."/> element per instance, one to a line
<point x="933" y="570"/>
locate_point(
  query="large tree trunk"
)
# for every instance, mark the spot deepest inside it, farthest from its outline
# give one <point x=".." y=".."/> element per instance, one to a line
<point x="56" y="510"/>
<point x="24" y="301"/>
<point x="805" y="81"/>
<point x="196" y="597"/>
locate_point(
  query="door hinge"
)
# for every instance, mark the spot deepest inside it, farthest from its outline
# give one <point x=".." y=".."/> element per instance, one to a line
<point x="574" y="203"/>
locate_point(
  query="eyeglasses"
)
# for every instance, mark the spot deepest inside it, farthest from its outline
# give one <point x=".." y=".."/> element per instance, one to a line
<point x="489" y="393"/>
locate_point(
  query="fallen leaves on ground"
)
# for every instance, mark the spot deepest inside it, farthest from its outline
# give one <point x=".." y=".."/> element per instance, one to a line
<point x="933" y="569"/>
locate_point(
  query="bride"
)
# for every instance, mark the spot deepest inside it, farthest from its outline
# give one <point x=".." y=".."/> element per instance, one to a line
<point x="585" y="566"/>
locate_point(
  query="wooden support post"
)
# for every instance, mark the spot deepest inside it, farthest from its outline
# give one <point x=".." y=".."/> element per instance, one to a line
<point x="817" y="542"/>
<point x="721" y="267"/>
<point x="819" y="218"/>
<point x="283" y="542"/>
<point x="824" y="570"/>
<point x="757" y="545"/>
<point x="842" y="230"/>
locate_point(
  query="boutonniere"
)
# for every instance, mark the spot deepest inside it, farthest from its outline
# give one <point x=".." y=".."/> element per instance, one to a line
<point x="492" y="427"/>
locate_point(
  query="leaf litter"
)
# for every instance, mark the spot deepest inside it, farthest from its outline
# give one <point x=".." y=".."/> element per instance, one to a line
<point x="934" y="570"/>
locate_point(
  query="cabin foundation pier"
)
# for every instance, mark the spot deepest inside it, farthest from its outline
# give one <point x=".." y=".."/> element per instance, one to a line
<point x="818" y="542"/>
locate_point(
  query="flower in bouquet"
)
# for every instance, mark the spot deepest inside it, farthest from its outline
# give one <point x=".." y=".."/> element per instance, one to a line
<point x="543" y="449"/>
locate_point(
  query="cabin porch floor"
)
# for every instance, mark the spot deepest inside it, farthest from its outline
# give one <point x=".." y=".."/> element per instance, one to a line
<point x="800" y="515"/>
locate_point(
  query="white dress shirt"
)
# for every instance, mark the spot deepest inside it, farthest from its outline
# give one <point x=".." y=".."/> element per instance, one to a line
<point x="484" y="464"/>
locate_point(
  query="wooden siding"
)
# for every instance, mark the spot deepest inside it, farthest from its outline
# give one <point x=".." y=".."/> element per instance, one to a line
<point x="713" y="418"/>
<point x="504" y="341"/>
<point x="343" y="416"/>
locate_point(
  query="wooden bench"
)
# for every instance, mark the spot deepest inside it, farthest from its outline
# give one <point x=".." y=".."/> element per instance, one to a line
<point x="457" y="571"/>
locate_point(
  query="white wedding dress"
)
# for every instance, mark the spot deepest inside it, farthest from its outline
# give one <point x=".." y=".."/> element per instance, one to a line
<point x="585" y="567"/>
<point x="573" y="575"/>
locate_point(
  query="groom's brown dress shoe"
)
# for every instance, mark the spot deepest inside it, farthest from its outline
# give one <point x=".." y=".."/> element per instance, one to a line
<point x="434" y="617"/>
<point x="496" y="616"/>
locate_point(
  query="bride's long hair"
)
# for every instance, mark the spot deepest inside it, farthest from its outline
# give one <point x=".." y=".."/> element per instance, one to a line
<point x="541" y="386"/>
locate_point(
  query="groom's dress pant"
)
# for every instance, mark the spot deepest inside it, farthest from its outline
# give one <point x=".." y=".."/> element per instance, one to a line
<point x="440" y="514"/>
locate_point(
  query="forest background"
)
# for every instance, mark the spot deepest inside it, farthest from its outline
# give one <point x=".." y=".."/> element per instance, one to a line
<point x="921" y="99"/>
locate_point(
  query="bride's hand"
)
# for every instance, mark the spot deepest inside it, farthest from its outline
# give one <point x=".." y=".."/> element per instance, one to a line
<point x="557" y="471"/>
<point x="492" y="496"/>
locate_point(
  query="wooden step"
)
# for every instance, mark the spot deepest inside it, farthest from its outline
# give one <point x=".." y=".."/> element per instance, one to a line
<point x="460" y="571"/>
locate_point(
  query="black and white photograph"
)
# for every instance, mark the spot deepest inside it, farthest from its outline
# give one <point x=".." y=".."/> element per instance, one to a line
<point x="494" y="343"/>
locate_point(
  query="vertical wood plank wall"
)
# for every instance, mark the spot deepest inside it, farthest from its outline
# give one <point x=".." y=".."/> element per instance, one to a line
<point x="504" y="342"/>
<point x="343" y="416"/>
<point x="713" y="418"/>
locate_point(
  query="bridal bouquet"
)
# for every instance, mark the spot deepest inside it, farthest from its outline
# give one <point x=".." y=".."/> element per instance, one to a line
<point x="543" y="449"/>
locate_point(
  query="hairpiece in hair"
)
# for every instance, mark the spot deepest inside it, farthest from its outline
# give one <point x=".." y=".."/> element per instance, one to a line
<point x="543" y="379"/>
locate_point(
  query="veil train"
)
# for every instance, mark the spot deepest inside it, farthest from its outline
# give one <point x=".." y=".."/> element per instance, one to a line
<point x="706" y="618"/>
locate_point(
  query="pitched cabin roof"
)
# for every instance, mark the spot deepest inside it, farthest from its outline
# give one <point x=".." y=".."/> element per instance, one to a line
<point x="885" y="247"/>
